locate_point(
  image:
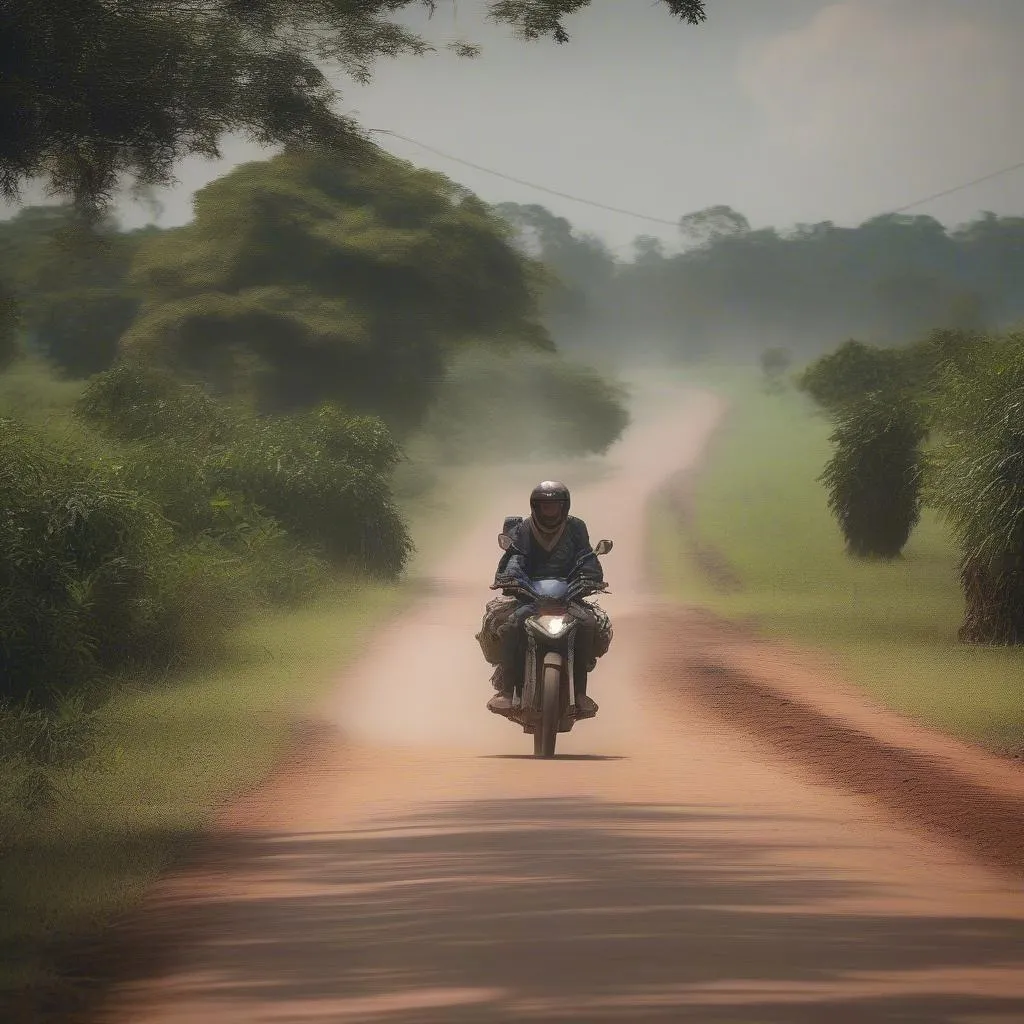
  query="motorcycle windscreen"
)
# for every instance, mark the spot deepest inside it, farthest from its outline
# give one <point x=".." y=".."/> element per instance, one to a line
<point x="550" y="590"/>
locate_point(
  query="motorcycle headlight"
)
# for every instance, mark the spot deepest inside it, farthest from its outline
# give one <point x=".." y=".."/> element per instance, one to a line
<point x="553" y="625"/>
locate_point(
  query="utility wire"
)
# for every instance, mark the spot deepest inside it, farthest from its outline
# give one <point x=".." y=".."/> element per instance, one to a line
<point x="662" y="220"/>
<point x="958" y="188"/>
<point x="528" y="184"/>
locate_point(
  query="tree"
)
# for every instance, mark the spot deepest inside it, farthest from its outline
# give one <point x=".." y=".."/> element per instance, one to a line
<point x="874" y="476"/>
<point x="774" y="363"/>
<point x="711" y="224"/>
<point x="69" y="280"/>
<point x="94" y="91"/>
<point x="850" y="373"/>
<point x="648" y="249"/>
<point x="580" y="268"/>
<point x="309" y="278"/>
<point x="978" y="486"/>
<point x="966" y="389"/>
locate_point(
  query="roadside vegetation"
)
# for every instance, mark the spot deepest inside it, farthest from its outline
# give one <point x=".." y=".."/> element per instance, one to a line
<point x="895" y="622"/>
<point x="209" y="501"/>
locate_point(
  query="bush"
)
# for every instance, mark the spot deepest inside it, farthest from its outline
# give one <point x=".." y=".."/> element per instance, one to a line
<point x="76" y="551"/>
<point x="80" y="330"/>
<point x="132" y="403"/>
<point x="322" y="482"/>
<point x="8" y="328"/>
<point x="92" y="576"/>
<point x="978" y="486"/>
<point x="39" y="747"/>
<point x="874" y="476"/>
<point x="944" y="349"/>
<point x="774" y="363"/>
<point x="147" y="541"/>
<point x="199" y="592"/>
<point x="850" y="373"/>
<point x="219" y="472"/>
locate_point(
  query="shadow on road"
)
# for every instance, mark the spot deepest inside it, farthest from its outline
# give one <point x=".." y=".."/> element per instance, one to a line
<point x="552" y="910"/>
<point x="557" y="757"/>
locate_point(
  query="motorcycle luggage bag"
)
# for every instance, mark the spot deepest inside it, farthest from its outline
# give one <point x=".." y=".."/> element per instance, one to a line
<point x="510" y="523"/>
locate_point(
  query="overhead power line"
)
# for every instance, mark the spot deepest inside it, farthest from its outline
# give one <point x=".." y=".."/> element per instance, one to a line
<point x="959" y="188"/>
<point x="529" y="184"/>
<point x="663" y="220"/>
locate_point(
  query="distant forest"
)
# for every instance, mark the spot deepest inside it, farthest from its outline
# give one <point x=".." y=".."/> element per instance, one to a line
<point x="734" y="290"/>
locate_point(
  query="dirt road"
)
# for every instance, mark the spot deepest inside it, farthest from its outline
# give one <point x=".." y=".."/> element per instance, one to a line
<point x="417" y="867"/>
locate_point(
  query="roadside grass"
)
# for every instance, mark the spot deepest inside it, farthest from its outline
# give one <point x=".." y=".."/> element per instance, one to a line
<point x="168" y="752"/>
<point x="892" y="626"/>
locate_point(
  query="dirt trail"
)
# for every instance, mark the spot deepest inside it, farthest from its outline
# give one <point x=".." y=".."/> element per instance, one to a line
<point x="414" y="866"/>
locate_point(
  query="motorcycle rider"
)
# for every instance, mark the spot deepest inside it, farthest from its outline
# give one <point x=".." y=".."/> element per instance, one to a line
<point x="546" y="545"/>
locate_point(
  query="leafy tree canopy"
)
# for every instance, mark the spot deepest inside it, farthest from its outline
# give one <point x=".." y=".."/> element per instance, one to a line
<point x="713" y="224"/>
<point x="576" y="262"/>
<point x="95" y="90"/>
<point x="316" y="278"/>
<point x="68" y="279"/>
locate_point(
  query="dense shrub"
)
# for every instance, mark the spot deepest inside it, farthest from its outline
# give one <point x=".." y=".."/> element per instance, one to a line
<point x="40" y="747"/>
<point x="326" y="486"/>
<point x="979" y="486"/>
<point x="8" y="328"/>
<point x="77" y="552"/>
<point x="851" y="372"/>
<point x="874" y="476"/>
<point x="322" y="476"/>
<point x="80" y="330"/>
<point x="929" y="360"/>
<point x="199" y="591"/>
<point x="93" y="575"/>
<point x="132" y="403"/>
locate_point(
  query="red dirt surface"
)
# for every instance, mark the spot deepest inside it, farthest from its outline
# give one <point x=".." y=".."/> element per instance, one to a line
<point x="702" y="851"/>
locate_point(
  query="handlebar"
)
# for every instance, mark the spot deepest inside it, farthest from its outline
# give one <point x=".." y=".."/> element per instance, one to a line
<point x="579" y="588"/>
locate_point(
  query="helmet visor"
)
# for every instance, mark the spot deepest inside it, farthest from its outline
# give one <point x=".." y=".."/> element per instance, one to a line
<point x="549" y="513"/>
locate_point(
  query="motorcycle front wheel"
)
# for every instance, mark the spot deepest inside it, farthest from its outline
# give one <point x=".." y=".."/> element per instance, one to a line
<point x="546" y="731"/>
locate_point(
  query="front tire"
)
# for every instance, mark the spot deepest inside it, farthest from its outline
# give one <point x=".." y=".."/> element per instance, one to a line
<point x="547" y="732"/>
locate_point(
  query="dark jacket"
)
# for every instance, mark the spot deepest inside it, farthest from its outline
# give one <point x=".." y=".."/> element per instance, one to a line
<point x="530" y="559"/>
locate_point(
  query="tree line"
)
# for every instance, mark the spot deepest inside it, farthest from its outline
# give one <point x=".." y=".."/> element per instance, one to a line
<point x="732" y="291"/>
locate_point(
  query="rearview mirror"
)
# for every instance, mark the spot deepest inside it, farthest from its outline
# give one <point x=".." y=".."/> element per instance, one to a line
<point x="602" y="547"/>
<point x="503" y="541"/>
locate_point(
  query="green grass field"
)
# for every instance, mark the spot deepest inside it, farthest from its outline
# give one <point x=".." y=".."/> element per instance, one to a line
<point x="893" y="626"/>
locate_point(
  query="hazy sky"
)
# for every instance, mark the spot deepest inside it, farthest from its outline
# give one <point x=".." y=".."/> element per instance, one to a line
<point x="788" y="110"/>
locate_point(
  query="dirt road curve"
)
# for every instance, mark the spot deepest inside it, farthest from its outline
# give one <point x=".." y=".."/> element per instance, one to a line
<point x="670" y="867"/>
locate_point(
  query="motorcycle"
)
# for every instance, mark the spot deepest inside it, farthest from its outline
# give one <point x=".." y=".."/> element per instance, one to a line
<point x="544" y="701"/>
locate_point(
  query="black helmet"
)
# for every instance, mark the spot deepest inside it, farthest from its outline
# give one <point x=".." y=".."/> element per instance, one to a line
<point x="550" y="490"/>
